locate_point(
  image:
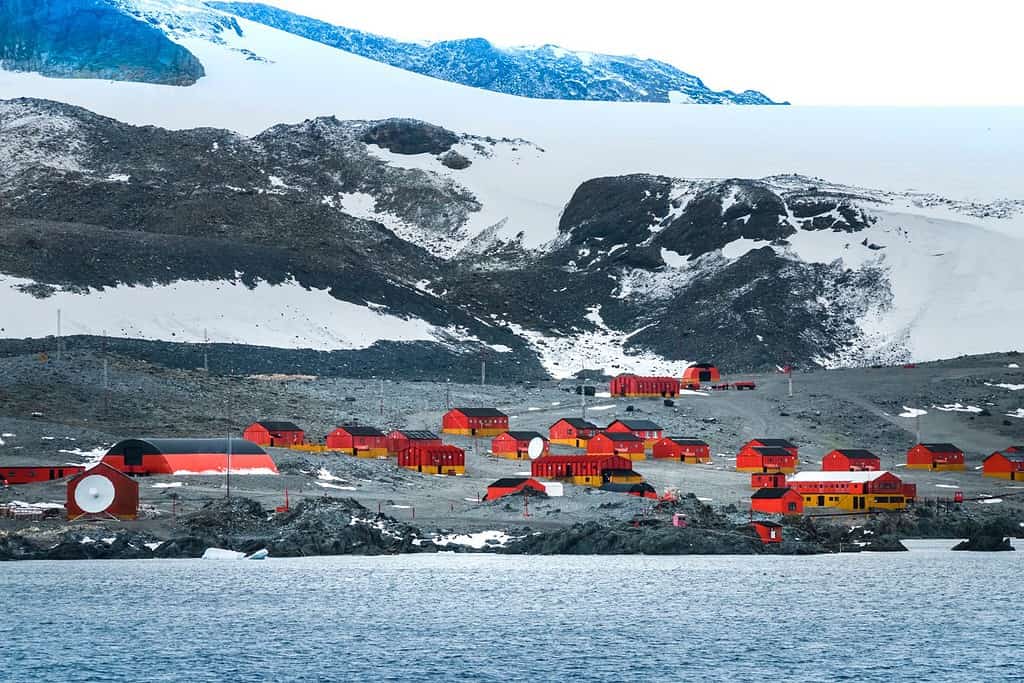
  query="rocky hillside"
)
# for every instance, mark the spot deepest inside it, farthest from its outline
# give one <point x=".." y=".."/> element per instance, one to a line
<point x="547" y="72"/>
<point x="386" y="241"/>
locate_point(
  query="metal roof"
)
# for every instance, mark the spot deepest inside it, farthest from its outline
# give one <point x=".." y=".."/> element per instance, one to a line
<point x="857" y="453"/>
<point x="187" y="446"/>
<point x="639" y="425"/>
<point x="279" y="426"/>
<point x="361" y="430"/>
<point x="418" y="435"/>
<point x="774" y="492"/>
<point x="941" y="448"/>
<point x="857" y="477"/>
<point x="578" y="423"/>
<point x="525" y="436"/>
<point x="686" y="441"/>
<point x="480" y="412"/>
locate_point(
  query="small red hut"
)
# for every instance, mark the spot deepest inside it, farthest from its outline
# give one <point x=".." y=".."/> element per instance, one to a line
<point x="274" y="433"/>
<point x="512" y="485"/>
<point x="617" y="443"/>
<point x="401" y="439"/>
<point x="767" y="480"/>
<point x="765" y="459"/>
<point x="433" y="459"/>
<point x="13" y="475"/>
<point x="768" y="532"/>
<point x="516" y="445"/>
<point x="777" y="500"/>
<point x="572" y="431"/>
<point x="683" y="449"/>
<point x="850" y="460"/>
<point x="361" y="441"/>
<point x="650" y="432"/>
<point x="474" y="422"/>
<point x="700" y="373"/>
<point x="102" y="491"/>
<point x="1007" y="464"/>
<point x="635" y="386"/>
<point x="935" y="456"/>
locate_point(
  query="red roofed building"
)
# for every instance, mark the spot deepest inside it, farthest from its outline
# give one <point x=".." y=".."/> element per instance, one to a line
<point x="572" y="431"/>
<point x="617" y="443"/>
<point x="188" y="456"/>
<point x="778" y="501"/>
<point x="516" y="445"/>
<point x="1007" y="464"/>
<point x="401" y="439"/>
<point x="125" y="503"/>
<point x="359" y="440"/>
<point x="767" y="456"/>
<point x="768" y="532"/>
<point x="586" y="470"/>
<point x="635" y="386"/>
<point x="430" y="459"/>
<point x="935" y="456"/>
<point x="683" y="449"/>
<point x="853" y="491"/>
<point x="767" y="480"/>
<point x="474" y="422"/>
<point x="274" y="433"/>
<point x="13" y="475"/>
<point x="851" y="460"/>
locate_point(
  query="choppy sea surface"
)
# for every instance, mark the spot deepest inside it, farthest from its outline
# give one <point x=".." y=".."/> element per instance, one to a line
<point x="929" y="614"/>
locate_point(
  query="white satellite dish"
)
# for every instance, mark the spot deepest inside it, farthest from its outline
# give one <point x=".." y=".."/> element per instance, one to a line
<point x="535" y="448"/>
<point x="94" y="493"/>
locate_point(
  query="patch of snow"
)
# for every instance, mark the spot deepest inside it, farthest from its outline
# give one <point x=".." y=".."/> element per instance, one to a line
<point x="153" y="546"/>
<point x="222" y="554"/>
<point x="990" y="501"/>
<point x="947" y="486"/>
<point x="1018" y="413"/>
<point x="228" y="311"/>
<point x="168" y="485"/>
<point x="329" y="485"/>
<point x="597" y="409"/>
<point x="118" y="178"/>
<point x="1013" y="366"/>
<point x="673" y="259"/>
<point x="741" y="247"/>
<point x="957" y="408"/>
<point x="1011" y="387"/>
<point x="912" y="412"/>
<point x="482" y="539"/>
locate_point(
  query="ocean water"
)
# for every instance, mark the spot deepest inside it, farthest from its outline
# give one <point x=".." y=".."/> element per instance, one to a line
<point x="929" y="614"/>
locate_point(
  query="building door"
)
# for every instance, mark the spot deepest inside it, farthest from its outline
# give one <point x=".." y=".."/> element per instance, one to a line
<point x="821" y="501"/>
<point x="133" y="456"/>
<point x="568" y="471"/>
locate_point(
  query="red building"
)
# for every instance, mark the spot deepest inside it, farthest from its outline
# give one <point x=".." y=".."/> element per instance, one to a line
<point x="853" y="491"/>
<point x="433" y="459"/>
<point x="116" y="494"/>
<point x="401" y="439"/>
<point x="635" y="386"/>
<point x="188" y="456"/>
<point x="592" y="470"/>
<point x="274" y="433"/>
<point x="617" y="443"/>
<point x="572" y="431"/>
<point x="516" y="445"/>
<point x="769" y="480"/>
<point x="778" y="501"/>
<point x="701" y="373"/>
<point x="851" y="460"/>
<point x="640" y="490"/>
<point x="683" y="449"/>
<point x="359" y="440"/>
<point x="512" y="485"/>
<point x="650" y="432"/>
<point x="474" y="422"/>
<point x="768" y="532"/>
<point x="775" y="443"/>
<point x="935" y="456"/>
<point x="1007" y="464"/>
<point x="765" y="459"/>
<point x="31" y="474"/>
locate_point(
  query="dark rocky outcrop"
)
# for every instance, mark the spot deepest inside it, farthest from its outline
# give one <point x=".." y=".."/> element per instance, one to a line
<point x="991" y="537"/>
<point x="405" y="136"/>
<point x="90" y="39"/>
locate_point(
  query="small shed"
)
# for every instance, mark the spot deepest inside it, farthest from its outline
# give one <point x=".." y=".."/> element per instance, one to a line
<point x="572" y="431"/>
<point x="102" y="491"/>
<point x="683" y="449"/>
<point x="274" y="433"/>
<point x="636" y="386"/>
<point x="700" y="373"/>
<point x="512" y="485"/>
<point x="777" y="500"/>
<point x="515" y="445"/>
<point x="624" y="444"/>
<point x="935" y="456"/>
<point x="767" y="480"/>
<point x="429" y="459"/>
<point x="474" y="422"/>
<point x="768" y="532"/>
<point x="361" y="441"/>
<point x="851" y="460"/>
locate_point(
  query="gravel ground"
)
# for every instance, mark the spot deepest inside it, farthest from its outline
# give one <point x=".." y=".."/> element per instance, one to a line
<point x="54" y="413"/>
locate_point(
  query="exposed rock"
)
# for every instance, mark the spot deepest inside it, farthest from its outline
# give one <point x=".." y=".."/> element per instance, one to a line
<point x="406" y="136"/>
<point x="455" y="161"/>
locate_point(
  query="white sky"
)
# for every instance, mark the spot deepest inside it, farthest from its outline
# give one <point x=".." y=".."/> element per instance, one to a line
<point x="874" y="52"/>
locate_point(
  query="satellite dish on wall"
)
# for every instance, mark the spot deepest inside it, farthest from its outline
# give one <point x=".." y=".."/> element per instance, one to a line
<point x="535" y="448"/>
<point x="94" y="493"/>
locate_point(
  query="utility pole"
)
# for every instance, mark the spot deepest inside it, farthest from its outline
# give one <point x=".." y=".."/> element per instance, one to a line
<point x="228" y="477"/>
<point x="789" y="374"/>
<point x="583" y="399"/>
<point x="206" y="360"/>
<point x="106" y="378"/>
<point x="58" y="335"/>
<point x="448" y="394"/>
<point x="483" y="372"/>
<point x="382" y="396"/>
